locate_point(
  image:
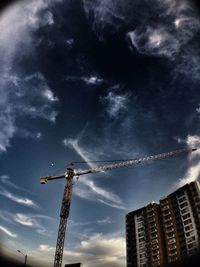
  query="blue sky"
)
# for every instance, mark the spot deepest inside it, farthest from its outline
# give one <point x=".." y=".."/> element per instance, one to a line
<point x="93" y="80"/>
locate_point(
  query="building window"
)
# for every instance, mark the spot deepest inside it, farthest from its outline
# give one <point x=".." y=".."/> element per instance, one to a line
<point x="189" y="233"/>
<point x="140" y="218"/>
<point x="187" y="221"/>
<point x="171" y="247"/>
<point x="169" y="235"/>
<point x="191" y="239"/>
<point x="166" y="207"/>
<point x="173" y="258"/>
<point x="173" y="252"/>
<point x="141" y="229"/>
<point x="155" y="241"/>
<point x="183" y="211"/>
<point x="154" y="246"/>
<point x="190" y="245"/>
<point x="186" y="216"/>
<point x="170" y="229"/>
<point x="181" y="199"/>
<point x="188" y="227"/>
<point x="141" y="234"/>
<point x="172" y="240"/>
<point x="183" y="205"/>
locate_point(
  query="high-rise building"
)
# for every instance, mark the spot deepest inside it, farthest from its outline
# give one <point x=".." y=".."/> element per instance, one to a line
<point x="144" y="237"/>
<point x="180" y="213"/>
<point x="160" y="234"/>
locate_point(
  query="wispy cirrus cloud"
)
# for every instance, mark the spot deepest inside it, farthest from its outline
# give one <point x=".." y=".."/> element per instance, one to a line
<point x="34" y="221"/>
<point x="17" y="102"/>
<point x="22" y="96"/>
<point x="18" y="199"/>
<point x="106" y="220"/>
<point x="167" y="30"/>
<point x="115" y="104"/>
<point x="6" y="180"/>
<point x="7" y="232"/>
<point x="87" y="188"/>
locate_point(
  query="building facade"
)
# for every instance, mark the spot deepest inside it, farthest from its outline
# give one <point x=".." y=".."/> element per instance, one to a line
<point x="160" y="234"/>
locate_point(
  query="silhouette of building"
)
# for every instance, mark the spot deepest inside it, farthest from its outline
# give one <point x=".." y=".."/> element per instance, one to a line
<point x="74" y="265"/>
<point x="161" y="234"/>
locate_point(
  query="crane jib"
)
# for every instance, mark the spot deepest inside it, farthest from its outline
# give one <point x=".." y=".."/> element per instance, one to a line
<point x="135" y="161"/>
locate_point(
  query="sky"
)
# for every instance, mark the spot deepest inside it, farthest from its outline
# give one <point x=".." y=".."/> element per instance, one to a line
<point x="89" y="80"/>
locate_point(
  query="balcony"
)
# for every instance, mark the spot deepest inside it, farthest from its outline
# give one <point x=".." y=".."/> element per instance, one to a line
<point x="172" y="247"/>
<point x="154" y="241"/>
<point x="171" y="241"/>
<point x="156" y="263"/>
<point x="168" y="224"/>
<point x="165" y="208"/>
<point x="155" y="252"/>
<point x="170" y="230"/>
<point x="153" y="230"/>
<point x="167" y="217"/>
<point x="155" y="247"/>
<point x="151" y="219"/>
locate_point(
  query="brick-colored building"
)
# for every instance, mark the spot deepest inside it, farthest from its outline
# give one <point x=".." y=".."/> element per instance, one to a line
<point x="160" y="234"/>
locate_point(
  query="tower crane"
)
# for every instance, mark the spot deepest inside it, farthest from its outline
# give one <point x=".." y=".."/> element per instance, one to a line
<point x="67" y="196"/>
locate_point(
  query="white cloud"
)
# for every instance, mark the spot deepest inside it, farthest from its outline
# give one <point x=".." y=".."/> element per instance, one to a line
<point x="48" y="18"/>
<point x="46" y="248"/>
<point x="198" y="110"/>
<point x="34" y="221"/>
<point x="20" y="200"/>
<point x="21" y="95"/>
<point x="5" y="179"/>
<point x="112" y="205"/>
<point x="70" y="42"/>
<point x="49" y="95"/>
<point x="193" y="141"/>
<point x="24" y="220"/>
<point x="30" y="98"/>
<point x="97" y="250"/>
<point x="115" y="104"/>
<point x="104" y="193"/>
<point x="104" y="221"/>
<point x="74" y="144"/>
<point x="7" y="232"/>
<point x="193" y="171"/>
<point x="158" y="42"/>
<point x="166" y="30"/>
<point x="92" y="80"/>
<point x="89" y="80"/>
<point x="87" y="188"/>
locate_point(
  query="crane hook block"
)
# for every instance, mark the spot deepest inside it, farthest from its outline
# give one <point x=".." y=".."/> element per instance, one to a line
<point x="43" y="180"/>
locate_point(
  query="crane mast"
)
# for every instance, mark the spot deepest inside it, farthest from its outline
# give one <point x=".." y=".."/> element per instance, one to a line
<point x="67" y="196"/>
<point x="64" y="214"/>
